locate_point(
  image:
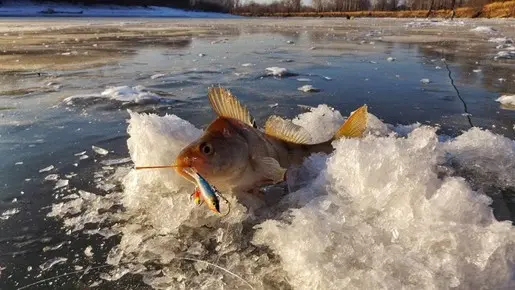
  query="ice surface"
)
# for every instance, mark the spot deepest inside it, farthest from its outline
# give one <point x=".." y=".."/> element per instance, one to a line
<point x="507" y="100"/>
<point x="376" y="213"/>
<point x="51" y="263"/>
<point x="136" y="95"/>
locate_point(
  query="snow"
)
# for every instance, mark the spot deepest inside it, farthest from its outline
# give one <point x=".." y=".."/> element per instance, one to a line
<point x="125" y="94"/>
<point x="507" y="100"/>
<point x="483" y="29"/>
<point x="26" y="8"/>
<point x="384" y="211"/>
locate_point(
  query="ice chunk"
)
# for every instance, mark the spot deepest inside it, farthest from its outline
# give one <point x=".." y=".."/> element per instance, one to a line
<point x="125" y="94"/>
<point x="273" y="105"/>
<point x="477" y="70"/>
<point x="9" y="213"/>
<point x="277" y="71"/>
<point x="88" y="251"/>
<point x="52" y="177"/>
<point x="61" y="183"/>
<point x="157" y="76"/>
<point x="391" y="58"/>
<point x="505" y="55"/>
<point x="247" y="64"/>
<point x="80" y="153"/>
<point x="83" y="157"/>
<point x="303" y="80"/>
<point x="99" y="150"/>
<point x="308" y="89"/>
<point x="425" y="81"/>
<point x="116" y="161"/>
<point x="483" y="29"/>
<point x="48" y="168"/>
<point x="18" y="163"/>
<point x="51" y="263"/>
<point x="507" y="100"/>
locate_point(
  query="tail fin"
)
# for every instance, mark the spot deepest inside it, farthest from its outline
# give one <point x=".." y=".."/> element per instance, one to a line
<point x="355" y="125"/>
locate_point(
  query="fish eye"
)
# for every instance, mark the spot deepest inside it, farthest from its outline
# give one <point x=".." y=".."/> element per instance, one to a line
<point x="206" y="148"/>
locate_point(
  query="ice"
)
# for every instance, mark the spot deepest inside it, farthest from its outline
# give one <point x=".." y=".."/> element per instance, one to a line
<point x="18" y="163"/>
<point x="476" y="70"/>
<point x="80" y="153"/>
<point x="425" y="81"/>
<point x="483" y="29"/>
<point x="391" y="58"/>
<point x="61" y="183"/>
<point x="505" y="55"/>
<point x="303" y="80"/>
<point x="501" y="40"/>
<point x="51" y="263"/>
<point x="157" y="76"/>
<point x="52" y="177"/>
<point x="136" y="95"/>
<point x="99" y="150"/>
<point x="9" y="213"/>
<point x="247" y="64"/>
<point x="379" y="212"/>
<point x="88" y="251"/>
<point x="83" y="157"/>
<point x="308" y="89"/>
<point x="48" y="168"/>
<point x="507" y="100"/>
<point x="116" y="161"/>
<point x="277" y="71"/>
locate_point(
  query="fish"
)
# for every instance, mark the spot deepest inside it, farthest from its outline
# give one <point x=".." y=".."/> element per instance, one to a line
<point x="236" y="156"/>
<point x="204" y="191"/>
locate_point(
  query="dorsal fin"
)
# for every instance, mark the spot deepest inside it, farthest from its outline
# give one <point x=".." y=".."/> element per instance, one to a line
<point x="355" y="125"/>
<point x="286" y="130"/>
<point x="226" y="105"/>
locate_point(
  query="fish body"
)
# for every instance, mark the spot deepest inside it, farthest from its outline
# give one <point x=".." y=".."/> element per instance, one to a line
<point x="236" y="156"/>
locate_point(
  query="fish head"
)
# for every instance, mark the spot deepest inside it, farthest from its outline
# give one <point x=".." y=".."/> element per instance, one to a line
<point x="218" y="155"/>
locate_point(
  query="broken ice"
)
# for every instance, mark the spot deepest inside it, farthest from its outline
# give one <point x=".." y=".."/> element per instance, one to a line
<point x="100" y="151"/>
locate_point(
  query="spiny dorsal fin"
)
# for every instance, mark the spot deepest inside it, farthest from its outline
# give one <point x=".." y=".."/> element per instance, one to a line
<point x="226" y="105"/>
<point x="286" y="130"/>
<point x="355" y="125"/>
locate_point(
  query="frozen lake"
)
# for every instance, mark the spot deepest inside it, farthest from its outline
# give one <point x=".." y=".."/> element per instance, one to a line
<point x="408" y="206"/>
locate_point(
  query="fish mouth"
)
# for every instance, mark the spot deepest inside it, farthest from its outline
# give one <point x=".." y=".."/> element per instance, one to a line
<point x="183" y="166"/>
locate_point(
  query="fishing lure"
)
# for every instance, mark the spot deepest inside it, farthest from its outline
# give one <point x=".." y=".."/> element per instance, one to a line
<point x="205" y="192"/>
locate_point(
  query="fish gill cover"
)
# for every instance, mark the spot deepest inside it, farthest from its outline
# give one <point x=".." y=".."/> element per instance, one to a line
<point x="385" y="211"/>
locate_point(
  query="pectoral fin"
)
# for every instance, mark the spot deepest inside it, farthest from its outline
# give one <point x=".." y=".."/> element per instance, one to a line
<point x="355" y="125"/>
<point x="269" y="169"/>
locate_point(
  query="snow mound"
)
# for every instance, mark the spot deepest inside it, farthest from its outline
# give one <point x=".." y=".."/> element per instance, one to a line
<point x="125" y="94"/>
<point x="383" y="211"/>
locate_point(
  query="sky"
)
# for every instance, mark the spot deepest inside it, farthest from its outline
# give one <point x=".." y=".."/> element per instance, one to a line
<point x="305" y="2"/>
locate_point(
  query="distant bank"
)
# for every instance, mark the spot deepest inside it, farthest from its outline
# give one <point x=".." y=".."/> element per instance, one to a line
<point x="29" y="9"/>
<point x="493" y="10"/>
